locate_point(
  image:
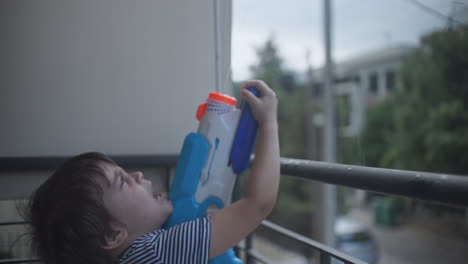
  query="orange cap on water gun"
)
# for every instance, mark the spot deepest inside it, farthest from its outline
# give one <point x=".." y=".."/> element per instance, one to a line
<point x="201" y="111"/>
<point x="223" y="98"/>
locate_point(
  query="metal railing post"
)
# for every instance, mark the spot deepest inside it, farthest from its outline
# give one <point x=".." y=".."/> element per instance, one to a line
<point x="435" y="187"/>
<point x="325" y="258"/>
<point x="248" y="246"/>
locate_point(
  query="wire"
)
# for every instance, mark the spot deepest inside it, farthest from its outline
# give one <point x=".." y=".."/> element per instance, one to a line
<point x="433" y="11"/>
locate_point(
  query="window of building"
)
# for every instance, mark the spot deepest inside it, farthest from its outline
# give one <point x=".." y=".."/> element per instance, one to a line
<point x="390" y="80"/>
<point x="318" y="90"/>
<point x="357" y="79"/>
<point x="373" y="83"/>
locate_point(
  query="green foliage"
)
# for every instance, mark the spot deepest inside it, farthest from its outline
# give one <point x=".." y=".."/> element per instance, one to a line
<point x="425" y="125"/>
<point x="379" y="132"/>
<point x="349" y="149"/>
<point x="294" y="196"/>
<point x="343" y="109"/>
<point x="291" y="98"/>
<point x="291" y="115"/>
<point x="342" y="196"/>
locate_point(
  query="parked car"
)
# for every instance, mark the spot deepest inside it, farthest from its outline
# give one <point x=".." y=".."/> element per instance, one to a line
<point x="355" y="239"/>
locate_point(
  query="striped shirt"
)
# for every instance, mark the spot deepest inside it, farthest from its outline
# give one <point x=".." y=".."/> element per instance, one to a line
<point x="188" y="242"/>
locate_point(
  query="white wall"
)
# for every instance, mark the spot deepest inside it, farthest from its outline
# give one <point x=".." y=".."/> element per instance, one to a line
<point x="121" y="77"/>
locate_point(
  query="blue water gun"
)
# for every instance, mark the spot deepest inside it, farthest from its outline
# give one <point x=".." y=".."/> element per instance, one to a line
<point x="210" y="161"/>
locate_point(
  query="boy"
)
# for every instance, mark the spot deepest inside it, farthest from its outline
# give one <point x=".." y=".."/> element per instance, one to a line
<point x="92" y="211"/>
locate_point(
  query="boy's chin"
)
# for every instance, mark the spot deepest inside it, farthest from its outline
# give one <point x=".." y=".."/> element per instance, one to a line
<point x="167" y="209"/>
<point x="171" y="208"/>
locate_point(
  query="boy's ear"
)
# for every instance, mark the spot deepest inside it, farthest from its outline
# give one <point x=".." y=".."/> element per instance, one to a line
<point x="117" y="237"/>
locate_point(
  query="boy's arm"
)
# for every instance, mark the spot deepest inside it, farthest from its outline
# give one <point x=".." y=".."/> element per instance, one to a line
<point x="233" y="223"/>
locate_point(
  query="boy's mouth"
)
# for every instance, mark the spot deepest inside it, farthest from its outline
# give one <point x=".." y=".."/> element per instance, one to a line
<point x="160" y="196"/>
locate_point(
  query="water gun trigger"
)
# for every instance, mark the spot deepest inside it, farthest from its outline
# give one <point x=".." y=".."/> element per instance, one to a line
<point x="210" y="201"/>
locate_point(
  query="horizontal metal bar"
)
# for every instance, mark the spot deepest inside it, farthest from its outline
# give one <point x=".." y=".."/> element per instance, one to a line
<point x="19" y="260"/>
<point x="433" y="187"/>
<point x="10" y="223"/>
<point x="314" y="244"/>
<point x="255" y="254"/>
<point x="441" y="188"/>
<point x="48" y="163"/>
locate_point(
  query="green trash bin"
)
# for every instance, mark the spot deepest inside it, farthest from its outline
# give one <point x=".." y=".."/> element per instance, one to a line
<point x="390" y="211"/>
<point x="387" y="213"/>
<point x="377" y="205"/>
<point x="386" y="210"/>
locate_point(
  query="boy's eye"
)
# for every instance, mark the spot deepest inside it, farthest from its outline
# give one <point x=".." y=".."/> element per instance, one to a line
<point x="122" y="181"/>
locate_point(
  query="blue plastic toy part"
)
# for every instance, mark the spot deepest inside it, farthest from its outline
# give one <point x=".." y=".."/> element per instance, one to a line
<point x="227" y="257"/>
<point x="182" y="193"/>
<point x="191" y="161"/>
<point x="244" y="138"/>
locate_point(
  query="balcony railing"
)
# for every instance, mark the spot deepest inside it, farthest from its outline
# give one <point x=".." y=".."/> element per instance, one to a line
<point x="432" y="187"/>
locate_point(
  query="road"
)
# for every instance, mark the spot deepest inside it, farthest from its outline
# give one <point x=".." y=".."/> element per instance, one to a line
<point x="411" y="243"/>
<point x="414" y="243"/>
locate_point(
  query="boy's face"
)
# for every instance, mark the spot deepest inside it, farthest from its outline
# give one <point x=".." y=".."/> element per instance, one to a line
<point x="130" y="199"/>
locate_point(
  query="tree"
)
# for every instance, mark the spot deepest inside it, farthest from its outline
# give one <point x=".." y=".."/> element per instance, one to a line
<point x="378" y="134"/>
<point x="290" y="93"/>
<point x="294" y="195"/>
<point x="428" y="114"/>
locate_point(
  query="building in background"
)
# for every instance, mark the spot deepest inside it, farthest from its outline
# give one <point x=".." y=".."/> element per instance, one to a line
<point x="360" y="81"/>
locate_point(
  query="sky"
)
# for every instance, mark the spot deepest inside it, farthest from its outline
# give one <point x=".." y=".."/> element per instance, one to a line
<point x="296" y="26"/>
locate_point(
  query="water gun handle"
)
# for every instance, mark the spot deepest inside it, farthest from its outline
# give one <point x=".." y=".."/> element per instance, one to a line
<point x="187" y="174"/>
<point x="244" y="139"/>
<point x="193" y="157"/>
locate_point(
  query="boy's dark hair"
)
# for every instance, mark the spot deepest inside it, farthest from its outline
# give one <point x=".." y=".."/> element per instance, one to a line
<point x="69" y="222"/>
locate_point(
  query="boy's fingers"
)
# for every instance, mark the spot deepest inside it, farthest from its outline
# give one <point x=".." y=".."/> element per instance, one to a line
<point x="249" y="97"/>
<point x="260" y="85"/>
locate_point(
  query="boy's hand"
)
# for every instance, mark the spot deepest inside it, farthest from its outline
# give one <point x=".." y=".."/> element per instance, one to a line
<point x="234" y="222"/>
<point x="264" y="107"/>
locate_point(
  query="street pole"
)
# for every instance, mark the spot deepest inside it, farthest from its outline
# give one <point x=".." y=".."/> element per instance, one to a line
<point x="217" y="39"/>
<point x="329" y="131"/>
